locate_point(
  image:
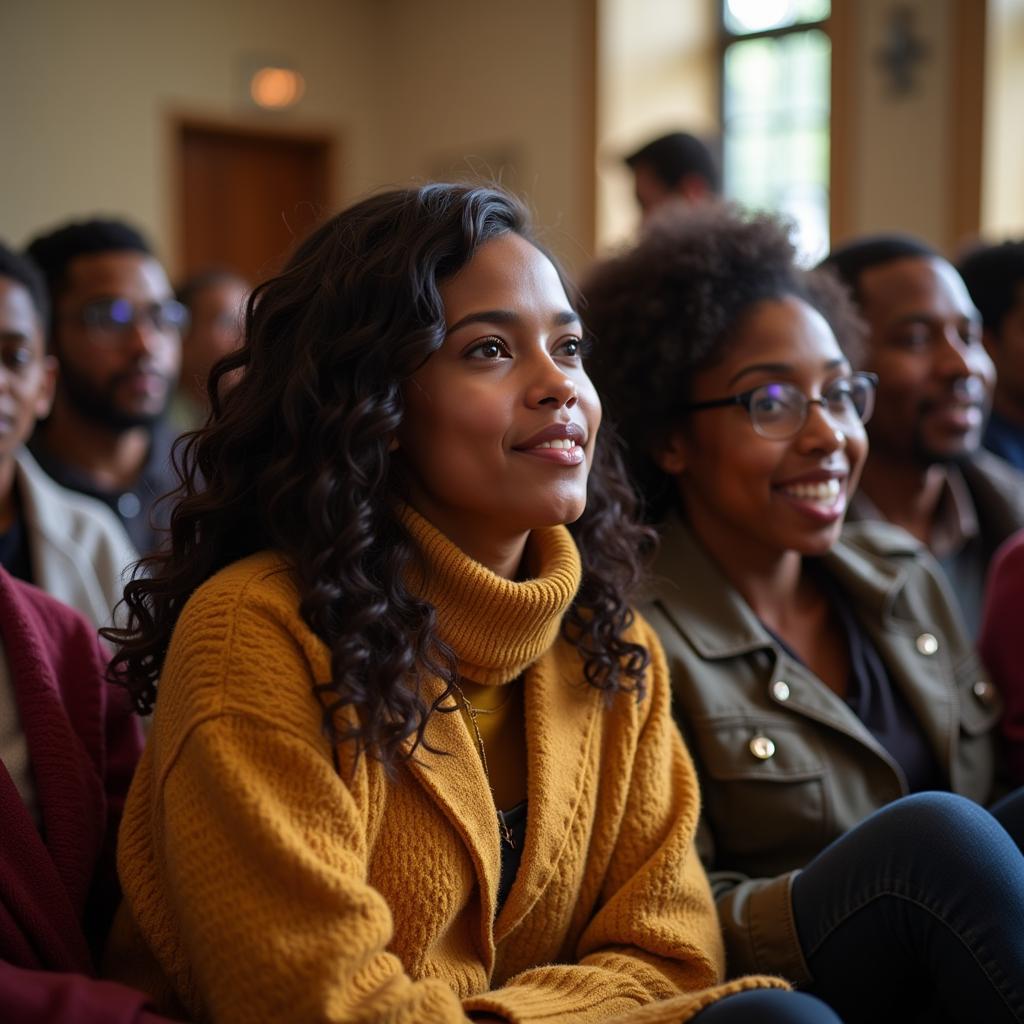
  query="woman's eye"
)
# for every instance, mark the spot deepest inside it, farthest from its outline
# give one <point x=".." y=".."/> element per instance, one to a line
<point x="572" y="347"/>
<point x="839" y="396"/>
<point x="489" y="348"/>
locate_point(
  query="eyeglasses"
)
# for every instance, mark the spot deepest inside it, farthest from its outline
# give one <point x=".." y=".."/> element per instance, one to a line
<point x="115" y="316"/>
<point x="779" y="411"/>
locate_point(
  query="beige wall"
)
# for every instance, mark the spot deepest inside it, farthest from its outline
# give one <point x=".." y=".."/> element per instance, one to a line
<point x="499" y="88"/>
<point x="900" y="145"/>
<point x="1002" y="213"/>
<point x="409" y="88"/>
<point x="90" y="88"/>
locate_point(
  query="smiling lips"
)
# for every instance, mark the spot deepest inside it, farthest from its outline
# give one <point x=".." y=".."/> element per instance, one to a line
<point x="823" y="499"/>
<point x="561" y="443"/>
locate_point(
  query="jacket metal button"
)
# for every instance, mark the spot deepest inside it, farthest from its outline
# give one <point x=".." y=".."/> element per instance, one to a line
<point x="762" y="748"/>
<point x="780" y="690"/>
<point x="927" y="644"/>
<point x="984" y="691"/>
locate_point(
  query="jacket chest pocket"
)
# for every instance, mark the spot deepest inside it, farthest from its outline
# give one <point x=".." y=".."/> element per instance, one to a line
<point x="763" y="784"/>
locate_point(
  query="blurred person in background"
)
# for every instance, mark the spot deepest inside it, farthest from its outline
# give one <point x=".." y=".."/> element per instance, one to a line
<point x="927" y="471"/>
<point x="673" y="168"/>
<point x="215" y="300"/>
<point x="116" y="333"/>
<point x="994" y="276"/>
<point x="70" y="545"/>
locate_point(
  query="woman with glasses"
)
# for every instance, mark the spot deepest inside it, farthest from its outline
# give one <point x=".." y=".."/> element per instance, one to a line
<point x="412" y="757"/>
<point x="840" y="721"/>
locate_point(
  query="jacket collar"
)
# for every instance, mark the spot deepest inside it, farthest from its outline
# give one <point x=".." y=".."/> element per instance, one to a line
<point x="715" y="619"/>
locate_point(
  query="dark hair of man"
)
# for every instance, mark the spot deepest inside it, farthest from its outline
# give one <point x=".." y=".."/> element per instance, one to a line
<point x="296" y="458"/>
<point x="197" y="283"/>
<point x="848" y="262"/>
<point x="675" y="156"/>
<point x="669" y="308"/>
<point x="994" y="275"/>
<point x="53" y="252"/>
<point x="21" y="269"/>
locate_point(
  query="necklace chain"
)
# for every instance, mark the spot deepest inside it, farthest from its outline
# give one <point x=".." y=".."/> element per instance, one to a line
<point x="472" y="712"/>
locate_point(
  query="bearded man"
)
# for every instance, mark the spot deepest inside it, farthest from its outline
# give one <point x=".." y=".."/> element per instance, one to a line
<point x="115" y="330"/>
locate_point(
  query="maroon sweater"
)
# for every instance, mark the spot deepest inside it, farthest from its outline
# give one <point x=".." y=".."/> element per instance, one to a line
<point x="1002" y="632"/>
<point x="58" y="882"/>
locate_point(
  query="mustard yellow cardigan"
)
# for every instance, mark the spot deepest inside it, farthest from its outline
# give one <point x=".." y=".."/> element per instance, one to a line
<point x="261" y="884"/>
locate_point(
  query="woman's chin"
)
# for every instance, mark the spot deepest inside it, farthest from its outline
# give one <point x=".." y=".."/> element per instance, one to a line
<point x="815" y="543"/>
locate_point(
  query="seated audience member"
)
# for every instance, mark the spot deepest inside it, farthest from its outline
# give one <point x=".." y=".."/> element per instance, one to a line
<point x="1002" y="644"/>
<point x="116" y="332"/>
<point x="68" y="744"/>
<point x="71" y="546"/>
<point x="215" y="300"/>
<point x="821" y="674"/>
<point x="994" y="276"/>
<point x="412" y="757"/>
<point x="675" y="168"/>
<point x="927" y="471"/>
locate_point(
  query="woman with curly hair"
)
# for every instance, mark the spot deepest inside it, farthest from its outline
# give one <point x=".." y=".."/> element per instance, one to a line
<point x="821" y="675"/>
<point x="412" y="757"/>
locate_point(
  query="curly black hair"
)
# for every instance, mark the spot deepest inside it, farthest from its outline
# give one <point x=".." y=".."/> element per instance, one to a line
<point x="295" y="458"/>
<point x="668" y="308"/>
<point x="994" y="275"/>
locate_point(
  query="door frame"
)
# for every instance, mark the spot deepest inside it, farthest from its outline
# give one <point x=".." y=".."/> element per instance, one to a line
<point x="251" y="127"/>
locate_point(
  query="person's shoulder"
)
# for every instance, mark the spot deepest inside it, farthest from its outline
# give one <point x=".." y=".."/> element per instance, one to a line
<point x="240" y="646"/>
<point x="882" y="539"/>
<point x="261" y="581"/>
<point x="51" y="618"/>
<point x="997" y="474"/>
<point x="78" y="516"/>
<point x="1009" y="557"/>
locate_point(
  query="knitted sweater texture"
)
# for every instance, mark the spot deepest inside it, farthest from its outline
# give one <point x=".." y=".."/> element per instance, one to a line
<point x="262" y="884"/>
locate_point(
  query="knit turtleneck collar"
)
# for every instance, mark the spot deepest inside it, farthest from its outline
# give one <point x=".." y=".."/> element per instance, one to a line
<point x="497" y="627"/>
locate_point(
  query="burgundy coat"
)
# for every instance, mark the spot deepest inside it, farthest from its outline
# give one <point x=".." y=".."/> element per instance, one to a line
<point x="1001" y="642"/>
<point x="58" y="882"/>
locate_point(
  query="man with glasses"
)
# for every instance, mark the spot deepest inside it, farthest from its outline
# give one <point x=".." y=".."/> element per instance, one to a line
<point x="926" y="471"/>
<point x="116" y="332"/>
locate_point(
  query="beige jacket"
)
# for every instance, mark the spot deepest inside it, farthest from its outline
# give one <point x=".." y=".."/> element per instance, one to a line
<point x="79" y="550"/>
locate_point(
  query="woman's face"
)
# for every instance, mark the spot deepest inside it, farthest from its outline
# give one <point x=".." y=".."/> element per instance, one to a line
<point x="500" y="422"/>
<point x="743" y="492"/>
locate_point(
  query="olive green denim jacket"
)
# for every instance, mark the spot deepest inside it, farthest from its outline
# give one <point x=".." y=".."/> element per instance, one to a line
<point x="785" y="765"/>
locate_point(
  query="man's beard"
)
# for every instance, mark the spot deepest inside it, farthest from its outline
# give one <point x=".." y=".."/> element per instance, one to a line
<point x="99" y="404"/>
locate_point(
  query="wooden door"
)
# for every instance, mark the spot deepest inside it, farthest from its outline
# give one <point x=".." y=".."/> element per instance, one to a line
<point x="248" y="196"/>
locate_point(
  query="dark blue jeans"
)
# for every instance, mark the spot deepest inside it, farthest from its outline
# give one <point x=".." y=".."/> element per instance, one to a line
<point x="767" y="1006"/>
<point x="918" y="913"/>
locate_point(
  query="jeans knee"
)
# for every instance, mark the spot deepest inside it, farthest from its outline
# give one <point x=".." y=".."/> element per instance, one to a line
<point x="936" y="820"/>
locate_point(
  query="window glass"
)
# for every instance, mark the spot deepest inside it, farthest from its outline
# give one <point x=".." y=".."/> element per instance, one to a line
<point x="776" y="128"/>
<point x="743" y="16"/>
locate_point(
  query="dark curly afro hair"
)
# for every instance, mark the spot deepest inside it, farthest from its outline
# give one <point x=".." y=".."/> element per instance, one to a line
<point x="667" y="309"/>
